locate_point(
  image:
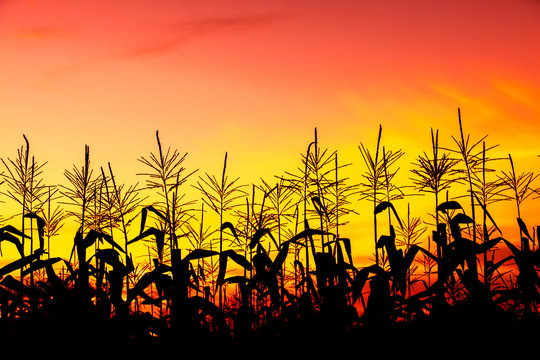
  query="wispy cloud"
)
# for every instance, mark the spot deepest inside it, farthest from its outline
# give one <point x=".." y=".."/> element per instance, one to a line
<point x="160" y="41"/>
<point x="185" y="31"/>
<point x="39" y="33"/>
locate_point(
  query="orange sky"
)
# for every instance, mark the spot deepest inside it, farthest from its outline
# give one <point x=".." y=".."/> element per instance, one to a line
<point x="254" y="78"/>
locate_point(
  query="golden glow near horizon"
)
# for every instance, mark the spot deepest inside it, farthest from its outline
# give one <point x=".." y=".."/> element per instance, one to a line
<point x="255" y="79"/>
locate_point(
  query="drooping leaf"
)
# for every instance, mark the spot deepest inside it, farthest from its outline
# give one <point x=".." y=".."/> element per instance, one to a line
<point x="41" y="227"/>
<point x="157" y="212"/>
<point x="493" y="267"/>
<point x="145" y="280"/>
<point x="144" y="213"/>
<point x="14" y="240"/>
<point x="308" y="233"/>
<point x="340" y="260"/>
<point x="383" y="205"/>
<point x="199" y="254"/>
<point x="361" y="278"/>
<point x="237" y="258"/>
<point x="88" y="240"/>
<point x="487" y="213"/>
<point x="109" y="239"/>
<point x="347" y="244"/>
<point x="20" y="263"/>
<point x="40" y="264"/>
<point x="523" y="228"/>
<point x="13" y="230"/>
<point x="14" y="284"/>
<point x="222" y="268"/>
<point x="111" y="257"/>
<point x="461" y="219"/>
<point x="409" y="256"/>
<point x="201" y="273"/>
<point x="282" y="255"/>
<point x="230" y="226"/>
<point x="129" y="263"/>
<point x="256" y="238"/>
<point x="159" y="236"/>
<point x="449" y="205"/>
<point x="321" y="210"/>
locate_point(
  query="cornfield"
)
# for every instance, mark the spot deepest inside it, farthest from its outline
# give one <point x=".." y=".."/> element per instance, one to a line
<point x="267" y="263"/>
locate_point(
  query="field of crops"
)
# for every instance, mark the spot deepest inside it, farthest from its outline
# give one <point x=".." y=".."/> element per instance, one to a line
<point x="446" y="282"/>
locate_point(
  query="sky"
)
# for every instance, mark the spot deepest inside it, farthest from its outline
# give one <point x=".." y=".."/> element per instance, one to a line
<point x="255" y="78"/>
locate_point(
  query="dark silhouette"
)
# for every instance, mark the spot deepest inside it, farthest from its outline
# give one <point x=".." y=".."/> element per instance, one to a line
<point x="293" y="282"/>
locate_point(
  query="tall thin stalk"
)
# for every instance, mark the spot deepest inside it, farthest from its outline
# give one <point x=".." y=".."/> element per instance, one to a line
<point x="166" y="174"/>
<point x="520" y="188"/>
<point x="377" y="179"/>
<point x="81" y="192"/>
<point x="53" y="218"/>
<point x="25" y="187"/>
<point x="434" y="174"/>
<point x="125" y="200"/>
<point x="220" y="196"/>
<point x="471" y="156"/>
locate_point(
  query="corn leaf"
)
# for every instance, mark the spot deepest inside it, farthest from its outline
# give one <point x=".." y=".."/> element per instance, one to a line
<point x="449" y="205"/>
<point x="12" y="239"/>
<point x="383" y="205"/>
<point x="230" y="226"/>
<point x="523" y="228"/>
<point x="41" y="227"/>
<point x="199" y="254"/>
<point x="159" y="236"/>
<point x="237" y="258"/>
<point x="20" y="263"/>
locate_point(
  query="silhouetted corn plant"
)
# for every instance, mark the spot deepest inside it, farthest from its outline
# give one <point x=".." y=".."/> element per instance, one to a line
<point x="473" y="157"/>
<point x="378" y="179"/>
<point x="518" y="187"/>
<point x="282" y="204"/>
<point x="410" y="234"/>
<point x="25" y="186"/>
<point x="339" y="206"/>
<point x="81" y="191"/>
<point x="201" y="238"/>
<point x="525" y="293"/>
<point x="124" y="201"/>
<point x="80" y="195"/>
<point x="486" y="192"/>
<point x="314" y="184"/>
<point x="53" y="217"/>
<point x="220" y="196"/>
<point x="166" y="174"/>
<point x="434" y="174"/>
<point x="459" y="256"/>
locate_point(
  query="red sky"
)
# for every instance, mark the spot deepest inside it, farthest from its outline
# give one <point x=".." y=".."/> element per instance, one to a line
<point x="254" y="78"/>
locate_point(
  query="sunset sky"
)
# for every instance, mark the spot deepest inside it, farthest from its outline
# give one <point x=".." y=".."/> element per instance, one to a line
<point x="254" y="78"/>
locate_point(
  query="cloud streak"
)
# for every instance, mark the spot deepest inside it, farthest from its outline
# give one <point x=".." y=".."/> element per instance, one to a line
<point x="186" y="31"/>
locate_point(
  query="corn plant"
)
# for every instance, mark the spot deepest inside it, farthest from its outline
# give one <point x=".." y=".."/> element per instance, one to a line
<point x="23" y="178"/>
<point x="220" y="196"/>
<point x="124" y="201"/>
<point x="434" y="174"/>
<point x="282" y="204"/>
<point x="166" y="175"/>
<point x="81" y="191"/>
<point x="53" y="217"/>
<point x="518" y="187"/>
<point x="410" y="234"/>
<point x="378" y="179"/>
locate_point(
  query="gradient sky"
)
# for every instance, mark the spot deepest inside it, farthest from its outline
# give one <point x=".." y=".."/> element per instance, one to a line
<point x="254" y="78"/>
